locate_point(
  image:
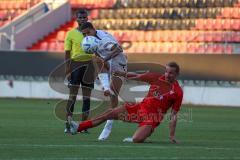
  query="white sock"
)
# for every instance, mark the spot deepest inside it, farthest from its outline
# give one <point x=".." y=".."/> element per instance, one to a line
<point x="109" y="124"/>
<point x="128" y="139"/>
<point x="106" y="131"/>
<point x="104" y="79"/>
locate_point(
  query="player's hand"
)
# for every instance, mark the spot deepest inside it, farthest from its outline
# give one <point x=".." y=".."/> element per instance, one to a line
<point x="173" y="140"/>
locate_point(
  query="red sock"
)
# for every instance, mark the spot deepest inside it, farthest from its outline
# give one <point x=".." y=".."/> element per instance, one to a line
<point x="85" y="125"/>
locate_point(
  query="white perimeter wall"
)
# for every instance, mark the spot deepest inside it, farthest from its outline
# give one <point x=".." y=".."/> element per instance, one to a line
<point x="219" y="96"/>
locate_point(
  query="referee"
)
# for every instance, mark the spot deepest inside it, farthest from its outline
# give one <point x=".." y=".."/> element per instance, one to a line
<point x="79" y="69"/>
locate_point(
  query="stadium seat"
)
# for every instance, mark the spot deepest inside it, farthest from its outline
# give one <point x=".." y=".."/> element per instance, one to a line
<point x="218" y="49"/>
<point x="228" y="49"/>
<point x="94" y="14"/>
<point x="3" y="15"/>
<point x="52" y="46"/>
<point x="218" y="36"/>
<point x="236" y="37"/>
<point x="60" y="47"/>
<point x="217" y="24"/>
<point x="60" y="35"/>
<point x="208" y="24"/>
<point x="235" y="24"/>
<point x="44" y="46"/>
<point x="226" y="24"/>
<point x="191" y="48"/>
<point x="226" y="12"/>
<point x="155" y="26"/>
<point x="200" y="24"/>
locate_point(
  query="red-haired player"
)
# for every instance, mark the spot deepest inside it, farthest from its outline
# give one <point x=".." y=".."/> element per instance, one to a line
<point x="164" y="93"/>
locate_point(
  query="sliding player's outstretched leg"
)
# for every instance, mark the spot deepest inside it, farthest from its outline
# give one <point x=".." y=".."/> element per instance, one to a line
<point x="108" y="115"/>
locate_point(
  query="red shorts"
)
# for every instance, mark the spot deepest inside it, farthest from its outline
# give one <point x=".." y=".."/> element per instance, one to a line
<point x="137" y="114"/>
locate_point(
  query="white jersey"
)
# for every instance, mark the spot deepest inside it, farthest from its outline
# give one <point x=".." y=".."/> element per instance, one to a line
<point x="103" y="34"/>
<point x="107" y="41"/>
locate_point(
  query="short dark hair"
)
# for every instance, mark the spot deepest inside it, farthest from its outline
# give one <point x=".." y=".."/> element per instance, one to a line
<point x="174" y="65"/>
<point x="81" y="11"/>
<point x="86" y="25"/>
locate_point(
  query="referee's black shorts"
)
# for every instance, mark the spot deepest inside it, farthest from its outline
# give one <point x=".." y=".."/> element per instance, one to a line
<point x="83" y="73"/>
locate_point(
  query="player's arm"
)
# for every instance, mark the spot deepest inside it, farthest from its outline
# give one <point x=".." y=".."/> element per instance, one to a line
<point x="67" y="63"/>
<point x="115" y="50"/>
<point x="67" y="48"/>
<point x="145" y="77"/>
<point x="174" y="116"/>
<point x="172" y="127"/>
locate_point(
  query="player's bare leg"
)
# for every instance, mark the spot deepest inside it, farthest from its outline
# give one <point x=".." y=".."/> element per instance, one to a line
<point x="140" y="135"/>
<point x="116" y="84"/>
<point x="109" y="114"/>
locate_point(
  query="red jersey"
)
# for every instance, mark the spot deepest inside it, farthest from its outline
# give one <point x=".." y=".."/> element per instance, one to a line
<point x="162" y="95"/>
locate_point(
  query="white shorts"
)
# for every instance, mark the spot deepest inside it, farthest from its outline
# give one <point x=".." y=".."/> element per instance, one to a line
<point x="118" y="63"/>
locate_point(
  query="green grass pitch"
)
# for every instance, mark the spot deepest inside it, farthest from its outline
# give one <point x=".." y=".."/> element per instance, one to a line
<point x="29" y="130"/>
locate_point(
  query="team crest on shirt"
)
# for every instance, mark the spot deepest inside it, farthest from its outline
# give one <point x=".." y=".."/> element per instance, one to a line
<point x="157" y="95"/>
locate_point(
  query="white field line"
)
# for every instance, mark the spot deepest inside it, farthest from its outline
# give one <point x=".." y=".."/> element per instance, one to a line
<point x="117" y="146"/>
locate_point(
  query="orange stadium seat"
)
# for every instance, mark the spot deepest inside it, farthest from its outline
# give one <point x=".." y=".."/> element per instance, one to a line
<point x="24" y="5"/>
<point x="226" y="24"/>
<point x="44" y="46"/>
<point x="228" y="49"/>
<point x="3" y="5"/>
<point x="157" y="36"/>
<point x="208" y="36"/>
<point x="236" y="37"/>
<point x="60" y="47"/>
<point x="235" y="24"/>
<point x="209" y="23"/>
<point x="3" y="15"/>
<point x="94" y="14"/>
<point x="200" y="24"/>
<point x="52" y="46"/>
<point x="217" y="24"/>
<point x="226" y="12"/>
<point x="61" y="35"/>
<point x="191" y="48"/>
<point x="148" y="36"/>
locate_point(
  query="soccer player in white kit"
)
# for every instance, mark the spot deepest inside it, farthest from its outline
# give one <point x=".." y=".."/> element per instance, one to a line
<point x="109" y="50"/>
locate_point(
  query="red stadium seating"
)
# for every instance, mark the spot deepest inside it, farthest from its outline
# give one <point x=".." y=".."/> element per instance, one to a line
<point x="165" y="27"/>
<point x="13" y="8"/>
